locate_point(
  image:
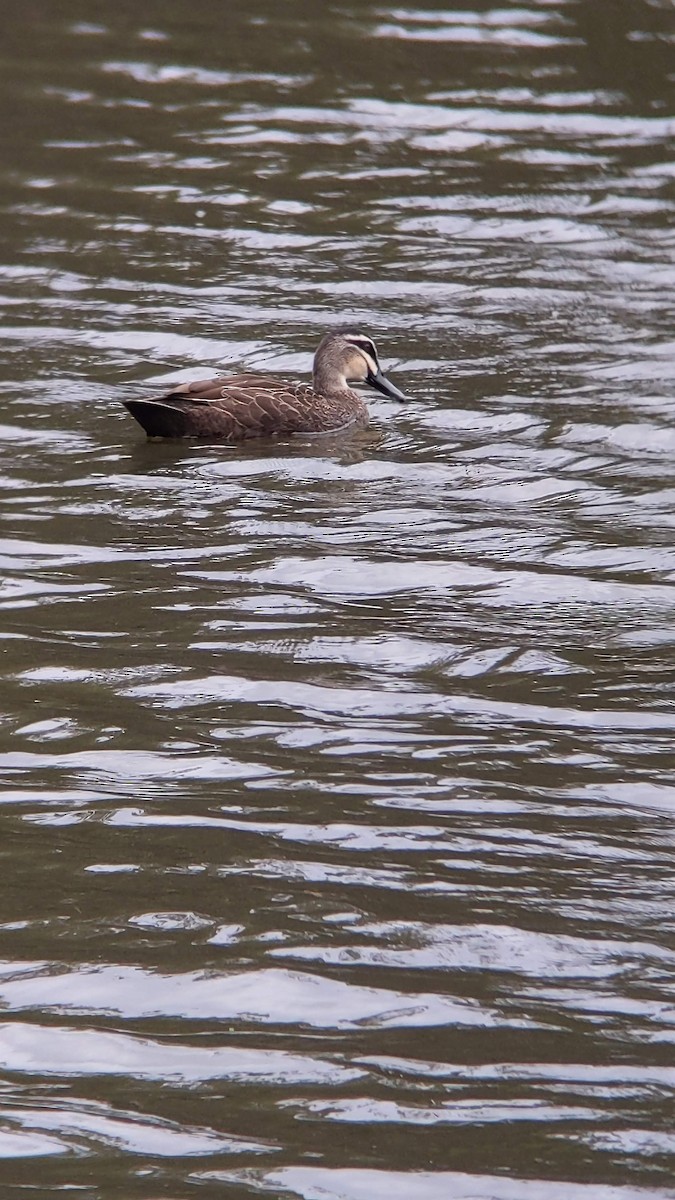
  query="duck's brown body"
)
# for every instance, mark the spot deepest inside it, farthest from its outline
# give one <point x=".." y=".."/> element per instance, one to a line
<point x="245" y="406"/>
<point x="232" y="407"/>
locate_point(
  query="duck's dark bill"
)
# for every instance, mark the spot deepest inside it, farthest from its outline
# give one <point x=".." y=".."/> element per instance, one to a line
<point x="383" y="385"/>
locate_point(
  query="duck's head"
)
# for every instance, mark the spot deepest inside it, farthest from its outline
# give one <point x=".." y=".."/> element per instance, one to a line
<point x="354" y="356"/>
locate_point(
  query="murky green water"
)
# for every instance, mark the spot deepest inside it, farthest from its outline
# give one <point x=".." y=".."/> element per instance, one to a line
<point x="338" y="776"/>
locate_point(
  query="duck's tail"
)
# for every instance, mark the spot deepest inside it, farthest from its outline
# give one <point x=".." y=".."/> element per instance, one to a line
<point x="158" y="418"/>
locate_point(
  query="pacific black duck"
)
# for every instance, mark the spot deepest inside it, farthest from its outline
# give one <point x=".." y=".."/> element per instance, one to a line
<point x="248" y="405"/>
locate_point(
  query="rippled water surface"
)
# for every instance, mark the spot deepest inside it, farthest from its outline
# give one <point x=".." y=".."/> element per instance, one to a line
<point x="338" y="775"/>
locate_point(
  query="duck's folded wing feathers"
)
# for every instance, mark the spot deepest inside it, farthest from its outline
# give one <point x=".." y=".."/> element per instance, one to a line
<point x="220" y="386"/>
<point x="233" y="406"/>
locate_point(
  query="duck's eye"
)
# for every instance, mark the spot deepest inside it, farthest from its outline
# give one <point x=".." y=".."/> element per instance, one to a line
<point x="365" y="344"/>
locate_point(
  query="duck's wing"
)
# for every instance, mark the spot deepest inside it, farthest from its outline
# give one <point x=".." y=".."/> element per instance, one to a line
<point x="229" y="407"/>
<point x="205" y="391"/>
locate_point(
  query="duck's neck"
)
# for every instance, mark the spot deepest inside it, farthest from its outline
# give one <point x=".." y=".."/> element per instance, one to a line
<point x="329" y="381"/>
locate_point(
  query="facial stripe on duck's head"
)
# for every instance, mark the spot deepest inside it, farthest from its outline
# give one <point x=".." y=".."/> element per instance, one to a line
<point x="365" y="345"/>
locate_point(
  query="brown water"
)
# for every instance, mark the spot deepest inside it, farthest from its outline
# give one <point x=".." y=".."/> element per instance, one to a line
<point x="338" y="776"/>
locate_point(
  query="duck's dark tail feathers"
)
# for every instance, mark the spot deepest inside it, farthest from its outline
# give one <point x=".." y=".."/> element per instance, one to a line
<point x="157" y="418"/>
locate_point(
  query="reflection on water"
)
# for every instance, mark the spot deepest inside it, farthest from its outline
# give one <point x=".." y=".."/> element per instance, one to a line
<point x="337" y="774"/>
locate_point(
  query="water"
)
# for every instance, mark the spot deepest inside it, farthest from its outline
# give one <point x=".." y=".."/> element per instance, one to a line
<point x="338" y="775"/>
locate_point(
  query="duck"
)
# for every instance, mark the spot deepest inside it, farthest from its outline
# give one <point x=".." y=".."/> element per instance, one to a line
<point x="233" y="407"/>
